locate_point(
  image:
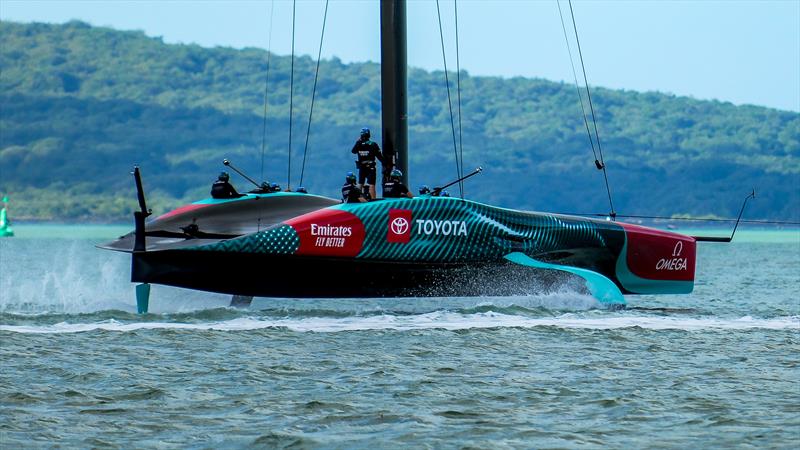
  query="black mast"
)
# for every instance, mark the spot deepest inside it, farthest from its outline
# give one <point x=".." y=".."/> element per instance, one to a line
<point x="394" y="103"/>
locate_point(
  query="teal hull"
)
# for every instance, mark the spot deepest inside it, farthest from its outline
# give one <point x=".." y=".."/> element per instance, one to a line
<point x="426" y="246"/>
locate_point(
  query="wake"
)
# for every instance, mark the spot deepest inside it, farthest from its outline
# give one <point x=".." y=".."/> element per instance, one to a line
<point x="438" y="320"/>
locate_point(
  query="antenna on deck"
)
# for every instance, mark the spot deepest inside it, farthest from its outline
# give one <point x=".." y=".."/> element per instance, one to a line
<point x="735" y="226"/>
<point x="228" y="163"/>
<point x="438" y="190"/>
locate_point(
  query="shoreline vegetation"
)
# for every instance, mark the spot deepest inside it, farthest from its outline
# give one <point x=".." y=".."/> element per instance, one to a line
<point x="81" y="105"/>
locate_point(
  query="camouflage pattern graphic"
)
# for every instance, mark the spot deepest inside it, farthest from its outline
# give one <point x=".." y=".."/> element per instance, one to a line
<point x="436" y="229"/>
<point x="449" y="229"/>
<point x="440" y="230"/>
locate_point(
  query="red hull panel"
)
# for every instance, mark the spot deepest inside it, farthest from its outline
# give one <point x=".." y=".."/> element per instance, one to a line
<point x="659" y="255"/>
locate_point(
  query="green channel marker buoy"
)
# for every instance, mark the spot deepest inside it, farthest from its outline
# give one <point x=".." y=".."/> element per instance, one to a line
<point x="142" y="298"/>
<point x="5" y="224"/>
<point x="603" y="289"/>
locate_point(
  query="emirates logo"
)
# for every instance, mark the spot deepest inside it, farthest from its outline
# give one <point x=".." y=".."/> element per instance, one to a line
<point x="399" y="225"/>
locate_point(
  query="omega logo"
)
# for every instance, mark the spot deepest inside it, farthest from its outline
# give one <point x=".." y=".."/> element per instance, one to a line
<point x="678" y="249"/>
<point x="676" y="262"/>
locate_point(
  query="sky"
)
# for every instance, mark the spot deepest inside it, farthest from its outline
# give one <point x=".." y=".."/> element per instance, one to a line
<point x="744" y="52"/>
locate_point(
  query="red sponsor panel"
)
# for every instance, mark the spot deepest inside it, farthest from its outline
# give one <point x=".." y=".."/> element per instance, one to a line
<point x="328" y="232"/>
<point x="660" y="255"/>
<point x="181" y="210"/>
<point x="398" y="229"/>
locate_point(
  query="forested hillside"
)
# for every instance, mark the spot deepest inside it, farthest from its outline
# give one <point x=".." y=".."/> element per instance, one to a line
<point x="79" y="105"/>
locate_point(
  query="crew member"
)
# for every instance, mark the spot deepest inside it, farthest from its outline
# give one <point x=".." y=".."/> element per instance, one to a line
<point x="222" y="188"/>
<point x="367" y="151"/>
<point x="394" y="187"/>
<point x="350" y="192"/>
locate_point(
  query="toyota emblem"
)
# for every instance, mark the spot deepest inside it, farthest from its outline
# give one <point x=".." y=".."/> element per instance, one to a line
<point x="399" y="225"/>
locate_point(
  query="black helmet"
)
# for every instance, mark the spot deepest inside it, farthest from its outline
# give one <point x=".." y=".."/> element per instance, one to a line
<point x="396" y="174"/>
<point x="350" y="177"/>
<point x="424" y="190"/>
<point x="365" y="132"/>
<point x="223" y="176"/>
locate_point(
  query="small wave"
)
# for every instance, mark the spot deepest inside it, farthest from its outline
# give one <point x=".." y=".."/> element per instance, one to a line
<point x="436" y="320"/>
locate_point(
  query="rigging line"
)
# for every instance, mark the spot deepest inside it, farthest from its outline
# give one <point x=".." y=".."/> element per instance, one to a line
<point x="591" y="108"/>
<point x="266" y="101"/>
<point x="695" y="219"/>
<point x="449" y="101"/>
<point x="266" y="85"/>
<point x="577" y="86"/>
<point x="586" y="81"/>
<point x="291" y="98"/>
<point x="458" y="87"/>
<point x="313" y="94"/>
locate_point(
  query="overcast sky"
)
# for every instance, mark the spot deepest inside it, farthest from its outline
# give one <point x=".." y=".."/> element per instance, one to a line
<point x="737" y="51"/>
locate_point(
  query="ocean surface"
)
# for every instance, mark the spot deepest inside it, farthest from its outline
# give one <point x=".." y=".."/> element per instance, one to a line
<point x="79" y="369"/>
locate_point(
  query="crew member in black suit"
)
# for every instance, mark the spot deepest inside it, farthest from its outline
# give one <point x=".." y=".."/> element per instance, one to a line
<point x="222" y="188"/>
<point x="351" y="193"/>
<point x="394" y="187"/>
<point x="367" y="151"/>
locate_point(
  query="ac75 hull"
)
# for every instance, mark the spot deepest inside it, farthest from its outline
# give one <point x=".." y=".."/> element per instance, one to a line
<point x="424" y="246"/>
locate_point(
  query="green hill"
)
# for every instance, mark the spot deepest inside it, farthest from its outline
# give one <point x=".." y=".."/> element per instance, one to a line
<point x="79" y="105"/>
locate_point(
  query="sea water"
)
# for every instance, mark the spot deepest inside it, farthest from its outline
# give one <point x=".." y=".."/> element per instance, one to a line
<point x="78" y="367"/>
